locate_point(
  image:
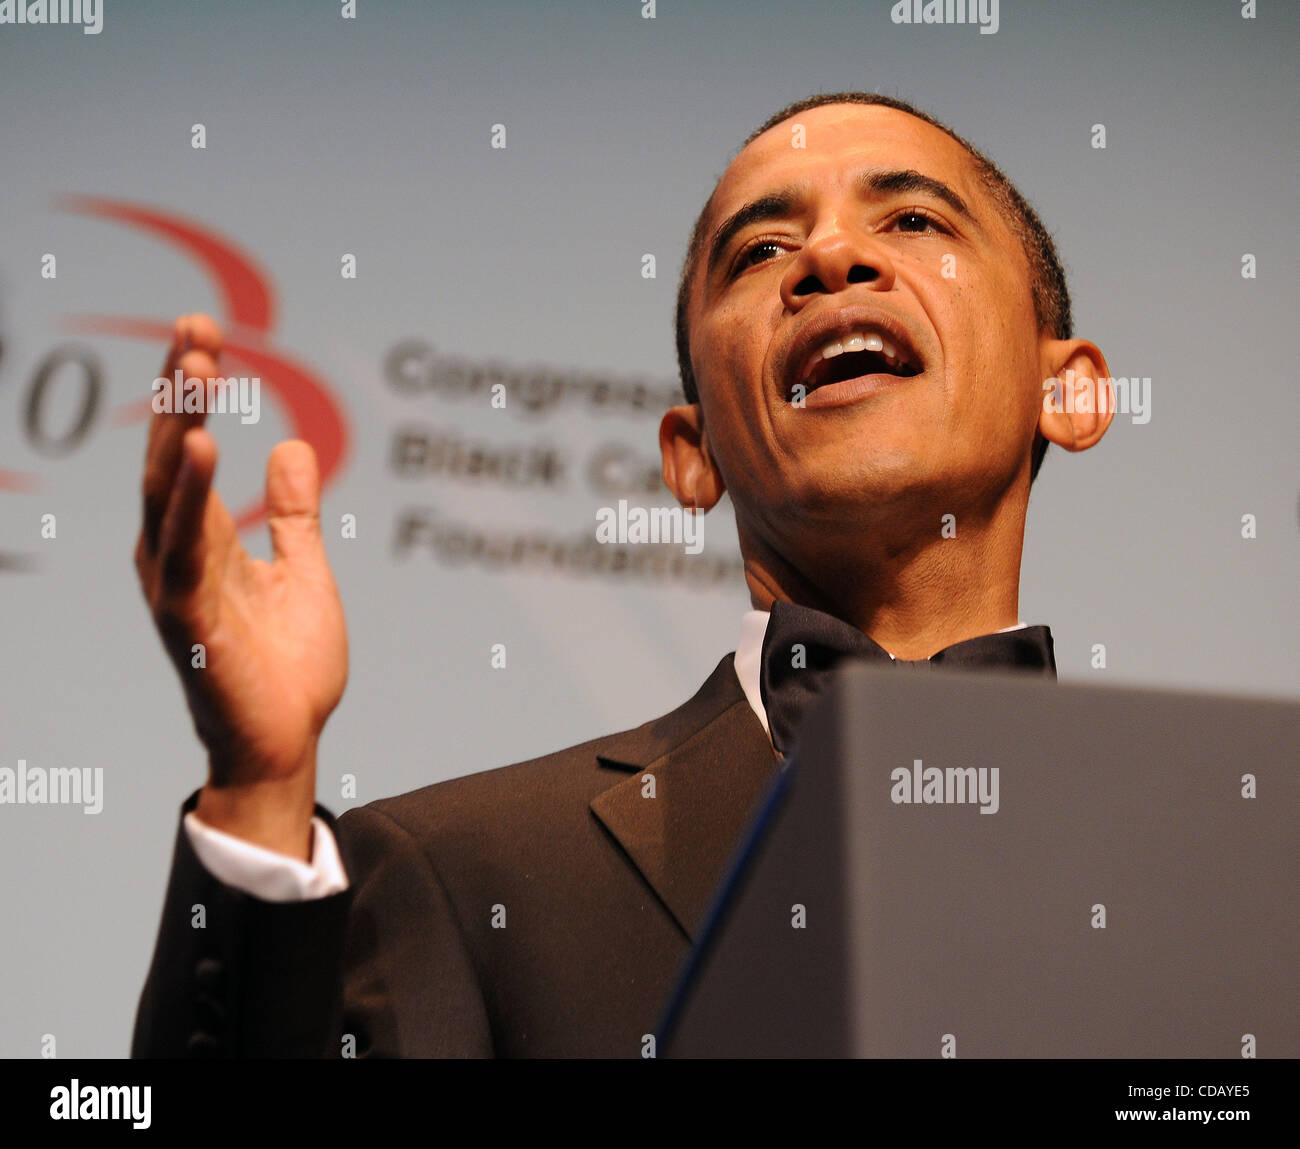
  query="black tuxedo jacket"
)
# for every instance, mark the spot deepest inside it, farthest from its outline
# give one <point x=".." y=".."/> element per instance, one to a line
<point x="541" y="909"/>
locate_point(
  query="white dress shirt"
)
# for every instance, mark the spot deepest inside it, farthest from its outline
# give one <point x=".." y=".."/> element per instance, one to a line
<point x="275" y="877"/>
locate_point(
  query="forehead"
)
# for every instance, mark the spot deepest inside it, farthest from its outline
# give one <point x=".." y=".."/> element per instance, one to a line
<point x="837" y="141"/>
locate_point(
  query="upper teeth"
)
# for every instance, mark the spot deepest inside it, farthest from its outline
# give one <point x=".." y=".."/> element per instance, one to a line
<point x="862" y="341"/>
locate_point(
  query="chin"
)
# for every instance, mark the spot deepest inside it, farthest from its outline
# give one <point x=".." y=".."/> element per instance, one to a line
<point x="851" y="489"/>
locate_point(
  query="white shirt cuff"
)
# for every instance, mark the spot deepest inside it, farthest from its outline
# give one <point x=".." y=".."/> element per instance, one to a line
<point x="264" y="873"/>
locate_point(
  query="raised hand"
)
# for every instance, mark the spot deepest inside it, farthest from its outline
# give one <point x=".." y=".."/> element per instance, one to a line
<point x="274" y="646"/>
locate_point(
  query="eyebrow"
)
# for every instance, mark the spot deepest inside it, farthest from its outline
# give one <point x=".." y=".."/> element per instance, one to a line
<point x="780" y="204"/>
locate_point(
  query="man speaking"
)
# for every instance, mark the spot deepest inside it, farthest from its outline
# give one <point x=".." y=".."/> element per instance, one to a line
<point x="868" y="320"/>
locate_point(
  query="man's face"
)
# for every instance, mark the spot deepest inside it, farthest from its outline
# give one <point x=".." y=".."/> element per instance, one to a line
<point x="866" y="255"/>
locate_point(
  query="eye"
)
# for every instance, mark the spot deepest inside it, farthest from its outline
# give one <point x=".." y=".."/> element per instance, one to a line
<point x="914" y="221"/>
<point x="746" y="258"/>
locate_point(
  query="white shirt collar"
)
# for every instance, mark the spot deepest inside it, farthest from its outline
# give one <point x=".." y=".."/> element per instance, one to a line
<point x="749" y="657"/>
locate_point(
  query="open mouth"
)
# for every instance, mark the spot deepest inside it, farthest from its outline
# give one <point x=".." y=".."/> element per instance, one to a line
<point x="858" y="355"/>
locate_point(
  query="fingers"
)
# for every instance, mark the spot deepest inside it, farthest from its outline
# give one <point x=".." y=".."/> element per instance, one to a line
<point x="163" y="455"/>
<point x="196" y="343"/>
<point x="181" y="548"/>
<point x="204" y="333"/>
<point x="293" y="502"/>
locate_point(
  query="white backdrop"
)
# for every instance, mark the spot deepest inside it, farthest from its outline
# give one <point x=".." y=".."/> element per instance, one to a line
<point x="372" y="137"/>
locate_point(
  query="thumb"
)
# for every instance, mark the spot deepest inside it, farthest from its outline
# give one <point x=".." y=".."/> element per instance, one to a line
<point x="293" y="502"/>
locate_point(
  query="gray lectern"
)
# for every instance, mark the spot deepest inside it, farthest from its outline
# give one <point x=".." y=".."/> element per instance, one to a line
<point x="988" y="866"/>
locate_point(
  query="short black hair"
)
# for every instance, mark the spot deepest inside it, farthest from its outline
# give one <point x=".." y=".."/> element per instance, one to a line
<point x="1051" y="295"/>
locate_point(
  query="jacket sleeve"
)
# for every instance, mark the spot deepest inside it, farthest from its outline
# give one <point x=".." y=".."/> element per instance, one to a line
<point x="264" y="873"/>
<point x="378" y="970"/>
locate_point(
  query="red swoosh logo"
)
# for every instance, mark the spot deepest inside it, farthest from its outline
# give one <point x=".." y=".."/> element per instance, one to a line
<point x="248" y="309"/>
<point x="16" y="481"/>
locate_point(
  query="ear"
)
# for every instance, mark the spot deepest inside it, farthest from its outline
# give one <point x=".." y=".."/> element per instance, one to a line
<point x="1078" y="399"/>
<point x="689" y="469"/>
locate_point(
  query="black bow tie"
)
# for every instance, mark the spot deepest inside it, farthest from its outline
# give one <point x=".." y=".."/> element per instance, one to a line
<point x="790" y="678"/>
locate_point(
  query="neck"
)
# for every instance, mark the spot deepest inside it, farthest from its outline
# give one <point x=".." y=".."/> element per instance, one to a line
<point x="913" y="599"/>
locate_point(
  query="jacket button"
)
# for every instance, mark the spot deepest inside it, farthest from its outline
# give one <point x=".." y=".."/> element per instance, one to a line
<point x="208" y="1013"/>
<point x="202" y="1045"/>
<point x="209" y="975"/>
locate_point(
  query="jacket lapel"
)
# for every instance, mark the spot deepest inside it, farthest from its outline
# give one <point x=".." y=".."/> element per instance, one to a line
<point x="696" y="777"/>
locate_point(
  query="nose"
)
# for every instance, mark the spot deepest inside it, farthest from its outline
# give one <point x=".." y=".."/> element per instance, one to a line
<point x="835" y="261"/>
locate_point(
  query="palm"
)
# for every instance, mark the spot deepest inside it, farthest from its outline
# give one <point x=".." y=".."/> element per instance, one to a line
<point x="261" y="647"/>
<point x="275" y="650"/>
